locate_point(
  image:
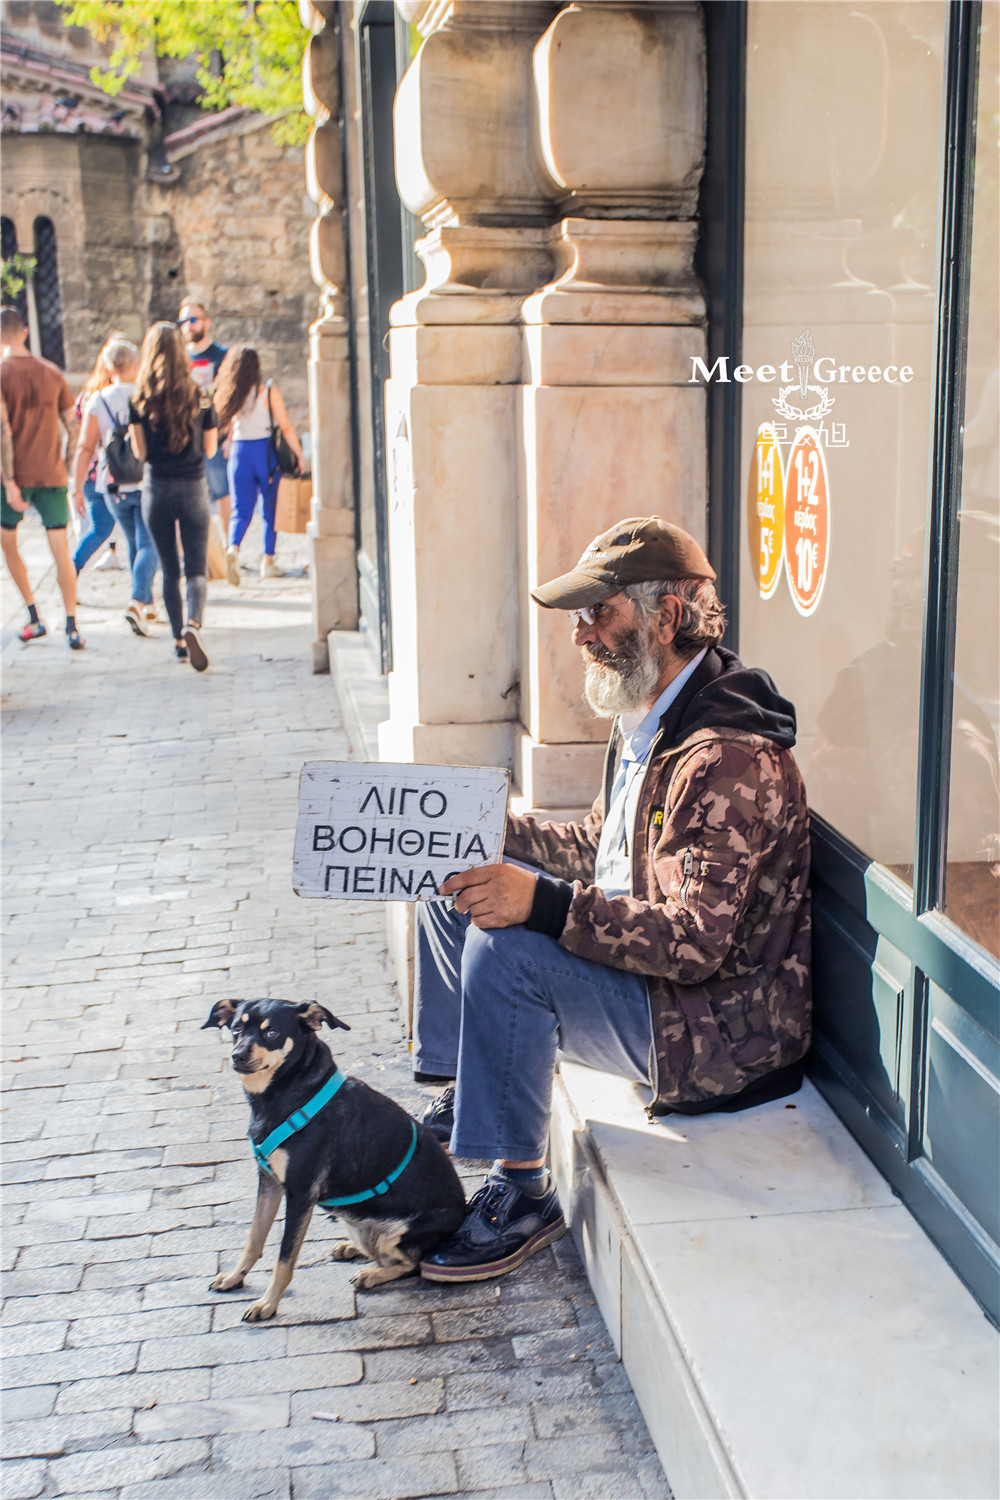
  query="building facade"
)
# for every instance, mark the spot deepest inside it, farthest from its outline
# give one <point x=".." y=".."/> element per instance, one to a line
<point x="127" y="203"/>
<point x="735" y="264"/>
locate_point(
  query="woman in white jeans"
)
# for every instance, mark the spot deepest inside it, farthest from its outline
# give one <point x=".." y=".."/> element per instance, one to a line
<point x="253" y="408"/>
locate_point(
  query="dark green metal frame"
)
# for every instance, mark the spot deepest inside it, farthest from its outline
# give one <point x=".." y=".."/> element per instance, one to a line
<point x="720" y="265"/>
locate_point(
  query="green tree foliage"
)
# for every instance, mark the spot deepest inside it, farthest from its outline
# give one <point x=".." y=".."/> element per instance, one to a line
<point x="15" y="270"/>
<point x="249" y="52"/>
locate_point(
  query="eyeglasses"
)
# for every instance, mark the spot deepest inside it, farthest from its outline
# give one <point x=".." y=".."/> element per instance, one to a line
<point x="591" y="614"/>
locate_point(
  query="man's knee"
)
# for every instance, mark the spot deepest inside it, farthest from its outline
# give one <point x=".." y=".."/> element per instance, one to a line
<point x="489" y="952"/>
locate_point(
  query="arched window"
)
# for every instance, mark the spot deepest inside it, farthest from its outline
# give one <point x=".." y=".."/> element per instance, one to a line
<point x="8" y="248"/>
<point x="47" y="298"/>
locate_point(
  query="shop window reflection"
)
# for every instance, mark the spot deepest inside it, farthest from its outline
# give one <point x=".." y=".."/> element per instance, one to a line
<point x="842" y="191"/>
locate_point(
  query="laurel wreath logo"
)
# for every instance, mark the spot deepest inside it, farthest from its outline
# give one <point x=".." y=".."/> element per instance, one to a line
<point x="815" y="413"/>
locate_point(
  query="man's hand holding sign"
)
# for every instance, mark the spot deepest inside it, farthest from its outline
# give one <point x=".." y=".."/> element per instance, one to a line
<point x="493" y="895"/>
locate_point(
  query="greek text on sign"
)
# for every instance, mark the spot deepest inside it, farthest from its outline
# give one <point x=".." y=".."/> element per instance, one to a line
<point x="807" y="521"/>
<point x="370" y="831"/>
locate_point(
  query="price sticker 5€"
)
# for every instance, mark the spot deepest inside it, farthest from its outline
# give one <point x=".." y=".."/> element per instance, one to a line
<point x="766" y="510"/>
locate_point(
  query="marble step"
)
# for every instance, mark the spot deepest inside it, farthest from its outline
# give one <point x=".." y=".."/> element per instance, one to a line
<point x="787" y="1327"/>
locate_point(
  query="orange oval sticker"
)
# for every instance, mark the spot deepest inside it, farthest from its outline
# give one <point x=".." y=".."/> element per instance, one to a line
<point x="807" y="521"/>
<point x="766" y="510"/>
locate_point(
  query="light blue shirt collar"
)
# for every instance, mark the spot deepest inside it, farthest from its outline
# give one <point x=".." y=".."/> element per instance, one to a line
<point x="638" y="730"/>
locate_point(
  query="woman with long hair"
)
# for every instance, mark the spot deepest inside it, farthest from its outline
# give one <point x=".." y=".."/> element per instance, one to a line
<point x="173" y="429"/>
<point x="106" y="408"/>
<point x="254" y="408"/>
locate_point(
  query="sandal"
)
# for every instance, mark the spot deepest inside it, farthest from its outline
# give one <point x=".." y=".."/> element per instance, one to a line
<point x="33" y="631"/>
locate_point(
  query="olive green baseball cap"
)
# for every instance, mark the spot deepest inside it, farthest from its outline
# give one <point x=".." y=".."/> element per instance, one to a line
<point x="637" y="550"/>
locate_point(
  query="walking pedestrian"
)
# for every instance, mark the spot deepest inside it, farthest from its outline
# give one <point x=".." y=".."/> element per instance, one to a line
<point x="35" y="405"/>
<point x="173" y="429"/>
<point x="88" y="498"/>
<point x="105" y="409"/>
<point x="206" y="356"/>
<point x="254" y="408"/>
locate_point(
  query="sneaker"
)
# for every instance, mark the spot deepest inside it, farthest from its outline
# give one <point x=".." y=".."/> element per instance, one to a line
<point x="133" y="619"/>
<point x="181" y="653"/>
<point x="109" y="563"/>
<point x="196" y="651"/>
<point x="439" y="1116"/>
<point x="149" y="613"/>
<point x="502" y="1227"/>
<point x="33" y="631"/>
<point x="270" y="569"/>
<point x="76" y="640"/>
<point x="233" y="566"/>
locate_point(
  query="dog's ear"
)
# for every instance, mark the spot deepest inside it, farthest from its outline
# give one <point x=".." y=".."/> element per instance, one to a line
<point x="314" y="1016"/>
<point x="220" y="1015"/>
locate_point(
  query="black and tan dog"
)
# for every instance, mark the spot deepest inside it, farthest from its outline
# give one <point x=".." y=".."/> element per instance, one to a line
<point x="323" y="1139"/>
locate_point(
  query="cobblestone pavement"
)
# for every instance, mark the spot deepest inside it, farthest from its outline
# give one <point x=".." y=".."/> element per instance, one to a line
<point x="150" y="814"/>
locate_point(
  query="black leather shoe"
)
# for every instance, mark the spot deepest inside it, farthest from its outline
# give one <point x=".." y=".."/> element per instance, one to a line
<point x="440" y="1115"/>
<point x="502" y="1227"/>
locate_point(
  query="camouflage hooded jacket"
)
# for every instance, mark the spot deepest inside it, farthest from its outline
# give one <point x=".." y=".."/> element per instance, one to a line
<point x="719" y="920"/>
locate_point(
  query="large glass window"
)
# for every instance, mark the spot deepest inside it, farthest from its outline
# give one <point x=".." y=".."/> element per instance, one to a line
<point x="973" y="873"/>
<point x="842" y="191"/>
<point x="48" y="299"/>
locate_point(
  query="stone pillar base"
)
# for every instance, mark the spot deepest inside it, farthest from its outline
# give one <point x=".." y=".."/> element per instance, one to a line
<point x="333" y="571"/>
<point x="399" y="923"/>
<point x="482" y="744"/>
<point x="553" y="775"/>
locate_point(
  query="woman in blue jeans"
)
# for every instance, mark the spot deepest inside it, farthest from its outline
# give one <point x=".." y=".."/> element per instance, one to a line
<point x="253" y="408"/>
<point x="105" y="407"/>
<point x="89" y="498"/>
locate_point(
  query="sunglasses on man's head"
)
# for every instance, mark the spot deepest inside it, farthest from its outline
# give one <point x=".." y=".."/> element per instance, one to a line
<point x="182" y="321"/>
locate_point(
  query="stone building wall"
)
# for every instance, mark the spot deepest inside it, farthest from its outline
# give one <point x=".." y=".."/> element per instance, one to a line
<point x="233" y="231"/>
<point x="145" y="212"/>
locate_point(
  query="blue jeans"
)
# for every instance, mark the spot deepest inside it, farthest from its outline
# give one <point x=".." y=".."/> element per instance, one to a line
<point x="217" y="475"/>
<point x="492" y="1009"/>
<point x="142" y="556"/>
<point x="100" y="525"/>
<point x="249" y="462"/>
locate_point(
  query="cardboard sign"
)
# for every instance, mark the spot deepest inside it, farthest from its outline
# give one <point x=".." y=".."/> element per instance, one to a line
<point x="807" y="521"/>
<point x="766" y="510"/>
<point x="374" y="832"/>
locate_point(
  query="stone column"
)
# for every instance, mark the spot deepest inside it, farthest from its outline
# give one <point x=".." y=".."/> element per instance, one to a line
<point x="331" y="529"/>
<point x="608" y="424"/>
<point x="467" y="165"/>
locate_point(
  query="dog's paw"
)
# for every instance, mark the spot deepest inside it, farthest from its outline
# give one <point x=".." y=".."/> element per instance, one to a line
<point x="368" y="1279"/>
<point x="345" y="1250"/>
<point x="259" y="1312"/>
<point x="227" y="1282"/>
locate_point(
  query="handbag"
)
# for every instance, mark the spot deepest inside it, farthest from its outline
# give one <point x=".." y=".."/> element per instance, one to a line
<point x="284" y="459"/>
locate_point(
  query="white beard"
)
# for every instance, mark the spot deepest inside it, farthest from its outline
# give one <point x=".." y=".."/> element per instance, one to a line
<point x="621" y="688"/>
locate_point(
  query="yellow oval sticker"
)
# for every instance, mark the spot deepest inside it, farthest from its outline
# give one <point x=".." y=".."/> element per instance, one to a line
<point x="766" y="510"/>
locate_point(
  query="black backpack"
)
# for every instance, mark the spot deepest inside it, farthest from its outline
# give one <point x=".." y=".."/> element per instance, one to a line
<point x="124" y="469"/>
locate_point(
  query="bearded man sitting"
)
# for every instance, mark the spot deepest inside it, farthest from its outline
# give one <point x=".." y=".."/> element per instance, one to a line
<point x="665" y="938"/>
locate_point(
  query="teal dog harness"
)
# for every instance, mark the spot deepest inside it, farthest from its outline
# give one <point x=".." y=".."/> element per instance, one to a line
<point x="301" y="1117"/>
